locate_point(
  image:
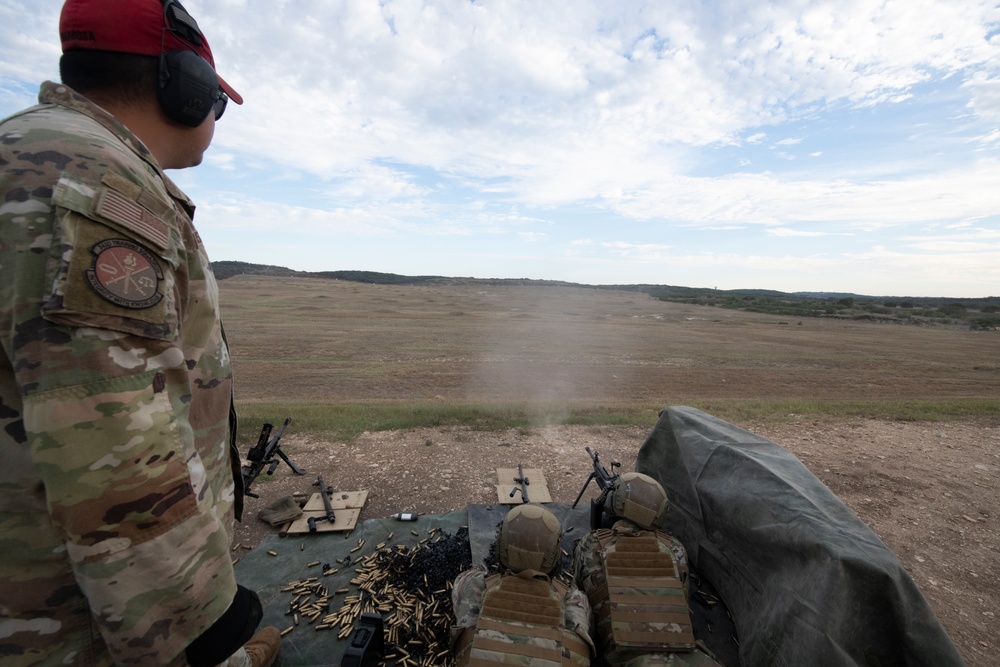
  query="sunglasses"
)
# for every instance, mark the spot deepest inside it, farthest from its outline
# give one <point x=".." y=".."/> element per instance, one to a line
<point x="221" y="100"/>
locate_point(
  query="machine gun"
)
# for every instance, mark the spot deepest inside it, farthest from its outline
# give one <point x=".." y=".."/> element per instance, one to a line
<point x="263" y="454"/>
<point x="523" y="480"/>
<point x="605" y="481"/>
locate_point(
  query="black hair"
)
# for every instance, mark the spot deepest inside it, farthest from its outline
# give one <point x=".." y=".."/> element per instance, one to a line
<point x="124" y="78"/>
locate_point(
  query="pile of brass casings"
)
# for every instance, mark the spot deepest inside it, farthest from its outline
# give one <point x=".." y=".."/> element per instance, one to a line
<point x="410" y="587"/>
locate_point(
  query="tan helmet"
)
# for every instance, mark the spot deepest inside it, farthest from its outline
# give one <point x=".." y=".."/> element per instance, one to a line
<point x="529" y="539"/>
<point x="638" y="498"/>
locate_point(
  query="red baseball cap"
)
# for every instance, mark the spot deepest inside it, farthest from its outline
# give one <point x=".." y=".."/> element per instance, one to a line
<point x="142" y="27"/>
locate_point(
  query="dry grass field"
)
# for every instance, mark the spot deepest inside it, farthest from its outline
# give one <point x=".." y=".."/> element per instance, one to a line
<point x="927" y="486"/>
<point x="334" y="340"/>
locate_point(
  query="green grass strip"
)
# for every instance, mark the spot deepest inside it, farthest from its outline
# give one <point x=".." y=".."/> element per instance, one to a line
<point x="346" y="421"/>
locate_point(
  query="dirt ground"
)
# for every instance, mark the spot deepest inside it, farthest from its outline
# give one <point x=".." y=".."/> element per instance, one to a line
<point x="929" y="490"/>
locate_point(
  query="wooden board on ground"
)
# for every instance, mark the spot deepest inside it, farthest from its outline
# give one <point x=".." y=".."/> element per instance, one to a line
<point x="346" y="510"/>
<point x="538" y="490"/>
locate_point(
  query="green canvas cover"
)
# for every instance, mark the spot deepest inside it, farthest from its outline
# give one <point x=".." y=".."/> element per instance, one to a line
<point x="806" y="581"/>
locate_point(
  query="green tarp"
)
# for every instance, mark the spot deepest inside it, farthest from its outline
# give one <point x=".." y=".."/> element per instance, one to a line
<point x="806" y="581"/>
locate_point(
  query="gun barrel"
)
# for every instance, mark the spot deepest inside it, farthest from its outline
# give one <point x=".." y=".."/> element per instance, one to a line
<point x="523" y="481"/>
<point x="326" y="499"/>
<point x="273" y="442"/>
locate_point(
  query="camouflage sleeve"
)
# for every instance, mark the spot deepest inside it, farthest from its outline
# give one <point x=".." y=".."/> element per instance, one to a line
<point x="93" y="306"/>
<point x="467" y="599"/>
<point x="676" y="547"/>
<point x="584" y="558"/>
<point x="121" y="484"/>
<point x="578" y="616"/>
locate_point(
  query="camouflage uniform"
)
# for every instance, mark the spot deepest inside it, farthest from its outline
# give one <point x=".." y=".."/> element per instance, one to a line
<point x="117" y="491"/>
<point x="589" y="567"/>
<point x="468" y="593"/>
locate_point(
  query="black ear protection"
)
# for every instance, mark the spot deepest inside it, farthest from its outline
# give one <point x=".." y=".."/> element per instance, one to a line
<point x="189" y="87"/>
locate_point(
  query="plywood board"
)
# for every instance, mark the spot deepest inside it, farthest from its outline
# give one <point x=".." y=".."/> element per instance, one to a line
<point x="346" y="510"/>
<point x="538" y="490"/>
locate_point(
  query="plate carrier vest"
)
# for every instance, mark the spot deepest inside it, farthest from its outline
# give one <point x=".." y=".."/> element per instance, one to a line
<point x="642" y="604"/>
<point x="522" y="617"/>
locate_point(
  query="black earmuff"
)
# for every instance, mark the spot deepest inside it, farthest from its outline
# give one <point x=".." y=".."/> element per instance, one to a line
<point x="188" y="87"/>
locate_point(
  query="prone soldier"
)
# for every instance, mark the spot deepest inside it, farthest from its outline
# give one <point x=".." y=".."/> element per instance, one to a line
<point x="522" y="616"/>
<point x="646" y="571"/>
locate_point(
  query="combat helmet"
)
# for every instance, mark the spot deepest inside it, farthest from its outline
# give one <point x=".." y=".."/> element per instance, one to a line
<point x="529" y="539"/>
<point x="638" y="498"/>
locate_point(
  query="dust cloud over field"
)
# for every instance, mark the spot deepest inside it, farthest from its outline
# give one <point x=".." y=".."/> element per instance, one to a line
<point x="928" y="489"/>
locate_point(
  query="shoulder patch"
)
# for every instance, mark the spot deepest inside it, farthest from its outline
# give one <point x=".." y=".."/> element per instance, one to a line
<point x="119" y="209"/>
<point x="119" y="203"/>
<point x="125" y="273"/>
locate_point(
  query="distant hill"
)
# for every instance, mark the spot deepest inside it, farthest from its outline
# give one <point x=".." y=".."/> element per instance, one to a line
<point x="225" y="270"/>
<point x="981" y="314"/>
<point x="228" y="269"/>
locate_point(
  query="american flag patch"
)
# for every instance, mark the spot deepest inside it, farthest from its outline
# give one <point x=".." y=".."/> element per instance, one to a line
<point x="119" y="209"/>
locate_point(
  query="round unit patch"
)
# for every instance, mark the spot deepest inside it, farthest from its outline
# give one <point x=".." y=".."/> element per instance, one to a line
<point x="126" y="274"/>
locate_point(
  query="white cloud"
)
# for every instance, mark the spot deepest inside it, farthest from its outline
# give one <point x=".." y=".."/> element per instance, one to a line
<point x="967" y="192"/>
<point x="452" y="119"/>
<point x="985" y="89"/>
<point x="960" y="271"/>
<point x="228" y="213"/>
<point x="479" y="86"/>
<point x="639" y="252"/>
<point x="374" y="182"/>
<point x="786" y="232"/>
<point x="993" y="137"/>
<point x="29" y="50"/>
<point x="957" y="241"/>
<point x="531" y="237"/>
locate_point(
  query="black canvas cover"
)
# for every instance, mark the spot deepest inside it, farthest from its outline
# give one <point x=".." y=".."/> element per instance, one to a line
<point x="806" y="581"/>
